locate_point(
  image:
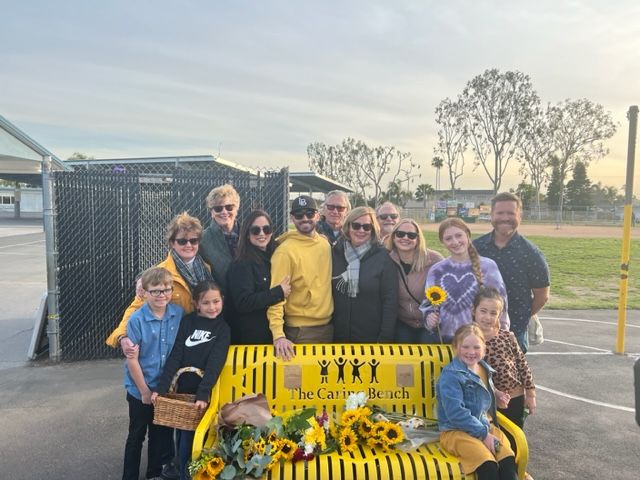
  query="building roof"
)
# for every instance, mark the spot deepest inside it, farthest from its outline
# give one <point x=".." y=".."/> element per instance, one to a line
<point x="314" y="182"/>
<point x="21" y="156"/>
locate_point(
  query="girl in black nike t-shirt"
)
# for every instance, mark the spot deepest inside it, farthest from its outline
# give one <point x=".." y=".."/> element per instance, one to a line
<point x="202" y="342"/>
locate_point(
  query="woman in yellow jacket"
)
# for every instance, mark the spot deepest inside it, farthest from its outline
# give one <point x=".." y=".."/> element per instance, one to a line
<point x="186" y="266"/>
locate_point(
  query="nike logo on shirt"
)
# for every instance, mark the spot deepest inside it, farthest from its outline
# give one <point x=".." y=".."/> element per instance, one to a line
<point x="198" y="337"/>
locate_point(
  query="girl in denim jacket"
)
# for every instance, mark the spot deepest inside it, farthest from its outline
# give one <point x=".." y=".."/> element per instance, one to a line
<point x="467" y="411"/>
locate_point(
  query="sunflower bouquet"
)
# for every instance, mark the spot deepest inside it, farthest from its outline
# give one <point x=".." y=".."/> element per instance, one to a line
<point x="436" y="296"/>
<point x="358" y="424"/>
<point x="251" y="451"/>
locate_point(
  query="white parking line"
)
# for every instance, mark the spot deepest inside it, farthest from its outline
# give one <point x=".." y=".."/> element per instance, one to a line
<point x="576" y="345"/>
<point x="585" y="400"/>
<point x="571" y="353"/>
<point x="587" y="321"/>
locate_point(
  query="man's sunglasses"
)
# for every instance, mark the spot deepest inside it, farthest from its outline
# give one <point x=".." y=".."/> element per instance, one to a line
<point x="339" y="208"/>
<point x="409" y="235"/>
<point x="255" y="230"/>
<point x="304" y="213"/>
<point x="157" y="293"/>
<point x="228" y="208"/>
<point x="384" y="216"/>
<point x="364" y="226"/>
<point x="183" y="241"/>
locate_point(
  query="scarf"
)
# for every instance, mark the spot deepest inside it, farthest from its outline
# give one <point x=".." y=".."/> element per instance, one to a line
<point x="194" y="275"/>
<point x="348" y="280"/>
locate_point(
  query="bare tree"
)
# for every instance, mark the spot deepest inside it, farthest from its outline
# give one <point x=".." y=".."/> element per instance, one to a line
<point x="497" y="109"/>
<point x="535" y="153"/>
<point x="452" y="139"/>
<point x="580" y="128"/>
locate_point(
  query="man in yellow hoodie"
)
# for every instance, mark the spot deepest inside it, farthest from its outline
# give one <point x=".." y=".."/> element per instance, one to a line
<point x="305" y="257"/>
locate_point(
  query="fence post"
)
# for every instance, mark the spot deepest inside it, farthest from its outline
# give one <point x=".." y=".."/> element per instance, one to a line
<point x="636" y="381"/>
<point x="53" y="318"/>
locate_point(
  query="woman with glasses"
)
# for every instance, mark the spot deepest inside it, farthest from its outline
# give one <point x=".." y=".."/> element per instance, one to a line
<point x="412" y="259"/>
<point x="187" y="269"/>
<point x="248" y="280"/>
<point x="220" y="239"/>
<point x="364" y="283"/>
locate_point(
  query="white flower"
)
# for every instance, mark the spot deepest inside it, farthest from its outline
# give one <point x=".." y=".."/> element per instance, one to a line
<point x="308" y="448"/>
<point x="356" y="400"/>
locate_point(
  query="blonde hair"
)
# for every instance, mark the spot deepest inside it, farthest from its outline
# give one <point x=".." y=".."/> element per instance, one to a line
<point x="465" y="331"/>
<point x="420" y="259"/>
<point x="156" y="276"/>
<point x="223" y="191"/>
<point x="359" y="212"/>
<point x="473" y="253"/>
<point x="183" y="222"/>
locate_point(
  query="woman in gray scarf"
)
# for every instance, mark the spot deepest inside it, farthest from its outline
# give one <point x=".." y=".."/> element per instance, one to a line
<point x="365" y="284"/>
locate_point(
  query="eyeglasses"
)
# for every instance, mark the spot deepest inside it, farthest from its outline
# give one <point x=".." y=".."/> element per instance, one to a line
<point x="183" y="241"/>
<point x="157" y="293"/>
<point x="384" y="216"/>
<point x="409" y="235"/>
<point x="339" y="208"/>
<point x="304" y="213"/>
<point x="364" y="226"/>
<point x="228" y="208"/>
<point x="256" y="229"/>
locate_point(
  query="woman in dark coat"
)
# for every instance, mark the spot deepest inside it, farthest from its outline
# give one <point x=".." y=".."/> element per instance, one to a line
<point x="365" y="283"/>
<point x="248" y="281"/>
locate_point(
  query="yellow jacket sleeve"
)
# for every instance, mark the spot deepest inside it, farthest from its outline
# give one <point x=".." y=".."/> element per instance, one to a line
<point x="121" y="329"/>
<point x="280" y="268"/>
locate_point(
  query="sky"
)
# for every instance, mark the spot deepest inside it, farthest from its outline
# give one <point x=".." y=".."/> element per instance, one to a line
<point x="257" y="81"/>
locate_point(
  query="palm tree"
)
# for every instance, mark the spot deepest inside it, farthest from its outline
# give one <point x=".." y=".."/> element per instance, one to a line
<point x="437" y="163"/>
<point x="423" y="192"/>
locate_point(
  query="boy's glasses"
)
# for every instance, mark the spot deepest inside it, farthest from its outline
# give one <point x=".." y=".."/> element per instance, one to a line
<point x="409" y="235"/>
<point x="364" y="226"/>
<point x="183" y="241"/>
<point x="157" y="293"/>
<point x="339" y="208"/>
<point x="219" y="208"/>
<point x="304" y="213"/>
<point x="384" y="216"/>
<point x="255" y="230"/>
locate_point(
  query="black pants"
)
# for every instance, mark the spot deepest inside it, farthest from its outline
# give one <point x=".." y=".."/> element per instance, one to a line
<point x="505" y="469"/>
<point x="159" y="448"/>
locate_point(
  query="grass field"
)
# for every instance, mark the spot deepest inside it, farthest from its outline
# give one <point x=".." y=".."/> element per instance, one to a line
<point x="585" y="272"/>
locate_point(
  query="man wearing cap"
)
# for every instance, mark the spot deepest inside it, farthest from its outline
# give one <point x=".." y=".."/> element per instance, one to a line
<point x="305" y="257"/>
<point x="334" y="210"/>
<point x="388" y="216"/>
<point x="521" y="264"/>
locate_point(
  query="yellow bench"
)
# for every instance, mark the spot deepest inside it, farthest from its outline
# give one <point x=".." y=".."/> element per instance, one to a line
<point x="395" y="377"/>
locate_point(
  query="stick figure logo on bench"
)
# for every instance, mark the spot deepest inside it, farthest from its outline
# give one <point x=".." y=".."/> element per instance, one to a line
<point x="355" y="370"/>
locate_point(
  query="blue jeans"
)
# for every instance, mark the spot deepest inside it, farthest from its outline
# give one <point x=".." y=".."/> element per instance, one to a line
<point x="185" y="446"/>
<point x="523" y="340"/>
<point x="407" y="334"/>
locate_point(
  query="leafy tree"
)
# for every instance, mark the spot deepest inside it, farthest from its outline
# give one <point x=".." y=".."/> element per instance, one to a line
<point x="452" y="140"/>
<point x="527" y="194"/>
<point x="497" y="108"/>
<point x="423" y="192"/>
<point x="396" y="194"/>
<point x="361" y="167"/>
<point x="579" y="189"/>
<point x="80" y="156"/>
<point x="437" y="163"/>
<point x="580" y="128"/>
<point x="555" y="190"/>
<point x="535" y="152"/>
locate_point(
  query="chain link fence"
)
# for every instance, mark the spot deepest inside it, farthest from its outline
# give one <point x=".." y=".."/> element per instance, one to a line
<point x="110" y="222"/>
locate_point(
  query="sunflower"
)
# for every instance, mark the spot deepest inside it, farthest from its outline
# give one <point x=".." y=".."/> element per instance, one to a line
<point x="315" y="434"/>
<point x="348" y="440"/>
<point x="393" y="434"/>
<point x="349" y="417"/>
<point x="379" y="429"/>
<point x="214" y="467"/>
<point x="276" y="455"/>
<point x="365" y="428"/>
<point x="286" y="447"/>
<point x="272" y="437"/>
<point x="378" y="442"/>
<point x="436" y="295"/>
<point x="259" y="446"/>
<point x="363" y="412"/>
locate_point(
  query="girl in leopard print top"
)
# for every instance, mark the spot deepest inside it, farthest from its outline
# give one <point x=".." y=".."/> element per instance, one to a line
<point x="513" y="380"/>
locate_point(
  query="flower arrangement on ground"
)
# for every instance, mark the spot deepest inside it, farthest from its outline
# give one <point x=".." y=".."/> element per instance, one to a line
<point x="251" y="451"/>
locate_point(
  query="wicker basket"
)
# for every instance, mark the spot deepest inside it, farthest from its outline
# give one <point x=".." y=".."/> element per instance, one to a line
<point x="178" y="410"/>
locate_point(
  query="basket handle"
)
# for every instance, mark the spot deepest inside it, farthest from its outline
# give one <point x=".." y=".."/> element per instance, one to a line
<point x="174" y="381"/>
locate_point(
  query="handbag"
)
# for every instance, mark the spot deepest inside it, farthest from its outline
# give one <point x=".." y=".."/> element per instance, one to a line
<point x="251" y="409"/>
<point x="535" y="331"/>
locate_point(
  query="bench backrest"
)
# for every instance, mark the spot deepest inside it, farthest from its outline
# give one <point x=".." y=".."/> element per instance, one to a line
<point x="395" y="377"/>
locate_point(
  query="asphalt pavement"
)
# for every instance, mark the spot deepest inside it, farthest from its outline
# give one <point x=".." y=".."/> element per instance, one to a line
<point x="69" y="420"/>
